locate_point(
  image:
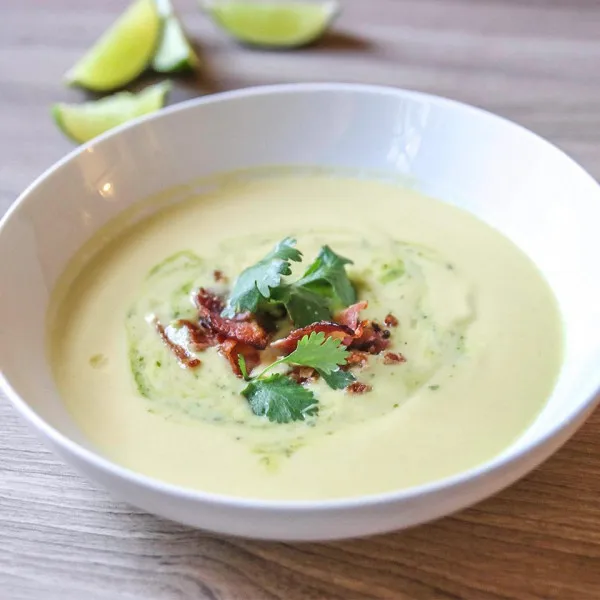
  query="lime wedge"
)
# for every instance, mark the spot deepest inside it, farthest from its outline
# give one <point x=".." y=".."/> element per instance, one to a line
<point x="174" y="52"/>
<point x="82" y="122"/>
<point x="273" y="24"/>
<point x="122" y="53"/>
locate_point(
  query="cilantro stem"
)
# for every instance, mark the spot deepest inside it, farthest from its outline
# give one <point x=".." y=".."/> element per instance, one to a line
<point x="243" y="368"/>
<point x="282" y="360"/>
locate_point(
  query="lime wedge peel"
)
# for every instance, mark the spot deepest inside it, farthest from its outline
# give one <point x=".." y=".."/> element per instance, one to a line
<point x="174" y="52"/>
<point x="122" y="53"/>
<point x="82" y="122"/>
<point x="272" y="24"/>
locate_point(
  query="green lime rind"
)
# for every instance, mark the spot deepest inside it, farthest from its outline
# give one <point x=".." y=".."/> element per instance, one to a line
<point x="174" y="53"/>
<point x="273" y="24"/>
<point x="83" y="122"/>
<point x="122" y="53"/>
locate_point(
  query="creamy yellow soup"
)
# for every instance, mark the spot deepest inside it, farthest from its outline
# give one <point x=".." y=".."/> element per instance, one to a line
<point x="477" y="325"/>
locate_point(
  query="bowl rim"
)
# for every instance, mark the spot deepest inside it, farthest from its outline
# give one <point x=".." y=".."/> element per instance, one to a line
<point x="506" y="458"/>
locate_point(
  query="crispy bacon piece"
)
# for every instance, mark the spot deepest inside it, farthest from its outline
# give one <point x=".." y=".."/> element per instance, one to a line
<point x="246" y="332"/>
<point x="288" y="344"/>
<point x="303" y="374"/>
<point x="368" y="337"/>
<point x="372" y="339"/>
<point x="207" y="301"/>
<point x="358" y="388"/>
<point x="390" y="320"/>
<point x="241" y="328"/>
<point x="357" y="358"/>
<point x="186" y="359"/>
<point x="349" y="316"/>
<point x="393" y="358"/>
<point x="200" y="338"/>
<point x="231" y="349"/>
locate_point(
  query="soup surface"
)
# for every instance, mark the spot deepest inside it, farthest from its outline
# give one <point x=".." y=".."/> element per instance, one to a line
<point x="473" y="349"/>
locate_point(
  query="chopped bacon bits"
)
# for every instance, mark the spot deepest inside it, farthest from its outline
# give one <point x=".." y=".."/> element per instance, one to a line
<point x="184" y="356"/>
<point x="372" y="339"/>
<point x="303" y="374"/>
<point x="368" y="335"/>
<point x="288" y="344"/>
<point x="390" y="321"/>
<point x="241" y="328"/>
<point x="247" y="332"/>
<point x="349" y="316"/>
<point x="231" y="350"/>
<point x="241" y="335"/>
<point x="393" y="358"/>
<point x="358" y="388"/>
<point x="208" y="302"/>
<point x="219" y="277"/>
<point x="199" y="338"/>
<point x="357" y="358"/>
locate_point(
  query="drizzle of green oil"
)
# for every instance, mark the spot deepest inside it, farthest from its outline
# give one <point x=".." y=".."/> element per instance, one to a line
<point x="175" y="263"/>
<point x="392" y="271"/>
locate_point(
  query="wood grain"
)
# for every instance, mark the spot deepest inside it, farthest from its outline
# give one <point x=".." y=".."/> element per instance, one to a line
<point x="534" y="61"/>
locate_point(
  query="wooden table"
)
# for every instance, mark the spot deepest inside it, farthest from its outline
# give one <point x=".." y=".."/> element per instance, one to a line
<point x="62" y="538"/>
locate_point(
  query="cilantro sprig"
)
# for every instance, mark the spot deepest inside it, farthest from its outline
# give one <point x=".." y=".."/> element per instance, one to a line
<point x="323" y="287"/>
<point x="327" y="275"/>
<point x="257" y="281"/>
<point x="282" y="399"/>
<point x="316" y="351"/>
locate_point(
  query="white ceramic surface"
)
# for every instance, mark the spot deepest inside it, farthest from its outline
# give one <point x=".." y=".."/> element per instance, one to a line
<point x="509" y="177"/>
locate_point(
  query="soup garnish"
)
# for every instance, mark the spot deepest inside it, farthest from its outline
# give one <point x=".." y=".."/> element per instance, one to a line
<point x="329" y="338"/>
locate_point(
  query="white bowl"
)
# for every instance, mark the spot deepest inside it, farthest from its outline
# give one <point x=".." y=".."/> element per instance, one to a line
<point x="507" y="176"/>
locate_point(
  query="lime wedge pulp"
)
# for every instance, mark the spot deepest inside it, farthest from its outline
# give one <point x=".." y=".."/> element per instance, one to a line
<point x="174" y="52"/>
<point x="122" y="53"/>
<point x="271" y="23"/>
<point x="82" y="122"/>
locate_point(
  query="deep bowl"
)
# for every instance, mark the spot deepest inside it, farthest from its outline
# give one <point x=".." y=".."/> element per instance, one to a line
<point x="510" y="178"/>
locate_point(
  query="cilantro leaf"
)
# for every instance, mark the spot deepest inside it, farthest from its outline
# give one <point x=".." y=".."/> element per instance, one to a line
<point x="319" y="352"/>
<point x="280" y="399"/>
<point x="302" y="305"/>
<point x="338" y="379"/>
<point x="316" y="351"/>
<point x="327" y="276"/>
<point x="256" y="281"/>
